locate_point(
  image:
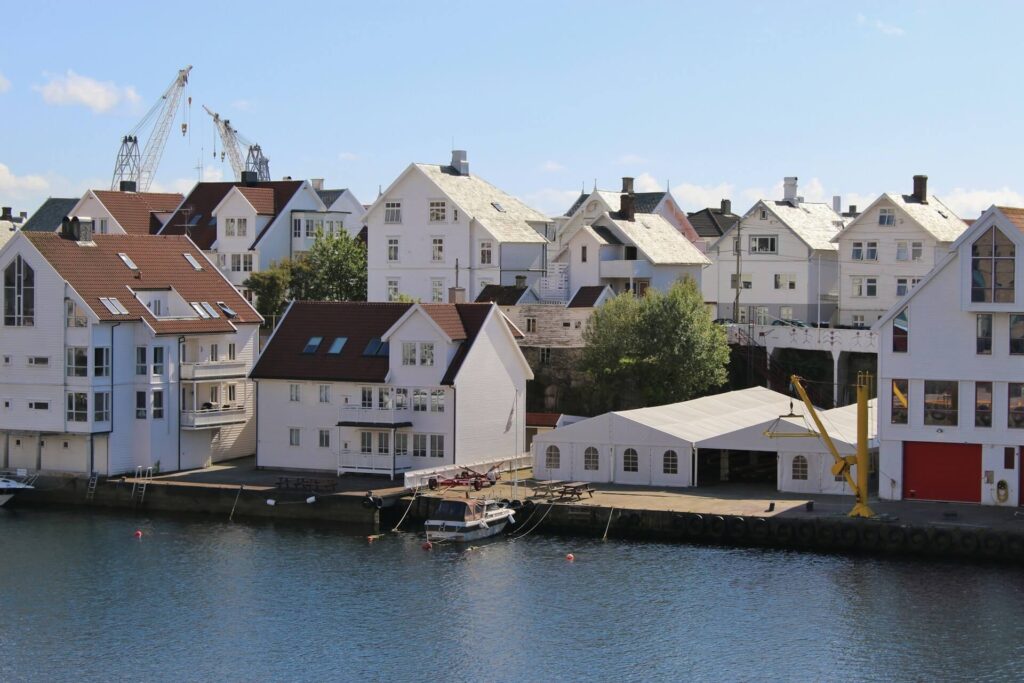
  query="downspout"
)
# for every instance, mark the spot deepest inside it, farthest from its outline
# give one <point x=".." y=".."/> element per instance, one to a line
<point x="181" y="340"/>
<point x="455" y="412"/>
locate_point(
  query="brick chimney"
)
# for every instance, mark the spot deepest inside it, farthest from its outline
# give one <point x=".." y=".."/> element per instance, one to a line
<point x="726" y="206"/>
<point x="921" y="189"/>
<point x="627" y="204"/>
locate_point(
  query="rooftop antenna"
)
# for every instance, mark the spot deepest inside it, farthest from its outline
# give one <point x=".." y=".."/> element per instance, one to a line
<point x="456" y="272"/>
<point x="595" y="184"/>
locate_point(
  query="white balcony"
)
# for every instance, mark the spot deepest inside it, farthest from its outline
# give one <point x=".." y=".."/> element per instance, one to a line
<point x="208" y="418"/>
<point x="356" y="415"/>
<point x="354" y="460"/>
<point x="625" y="269"/>
<point x="213" y="369"/>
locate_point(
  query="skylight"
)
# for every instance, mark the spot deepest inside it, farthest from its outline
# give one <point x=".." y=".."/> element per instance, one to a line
<point x="228" y="311"/>
<point x="210" y="309"/>
<point x="337" y="345"/>
<point x="113" y="305"/>
<point x="199" y="309"/>
<point x="498" y="207"/>
<point x="128" y="261"/>
<point x="373" y="347"/>
<point x="192" y="261"/>
<point x="312" y="345"/>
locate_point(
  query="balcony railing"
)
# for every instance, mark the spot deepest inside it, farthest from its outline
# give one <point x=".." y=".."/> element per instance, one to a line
<point x="355" y="460"/>
<point x="358" y="414"/>
<point x="212" y="369"/>
<point x="212" y="417"/>
<point x="623" y="268"/>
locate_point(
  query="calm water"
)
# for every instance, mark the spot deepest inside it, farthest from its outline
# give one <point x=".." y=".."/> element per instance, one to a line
<point x="81" y="599"/>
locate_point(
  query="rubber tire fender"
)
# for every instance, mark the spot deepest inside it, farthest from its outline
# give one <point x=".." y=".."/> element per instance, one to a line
<point x="716" y="527"/>
<point x="805" y="532"/>
<point x="1014" y="546"/>
<point x="968" y="542"/>
<point x="847" y="536"/>
<point x="869" y="537"/>
<point x="528" y="506"/>
<point x="783" y="532"/>
<point x="695" y="525"/>
<point x="942" y="541"/>
<point x="432" y="483"/>
<point x="918" y="540"/>
<point x="759" y="529"/>
<point x="992" y="544"/>
<point x="896" y="539"/>
<point x="825" y="535"/>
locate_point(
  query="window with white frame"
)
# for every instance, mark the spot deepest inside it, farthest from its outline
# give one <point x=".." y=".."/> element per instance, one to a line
<point x="310" y="228"/>
<point x="531" y="324"/>
<point x="552" y="458"/>
<point x="544" y="354"/>
<point x="408" y="353"/>
<point x="786" y="312"/>
<point x="799" y="468"/>
<point x="78" y="406"/>
<point x="857" y="251"/>
<point x="916" y="251"/>
<point x="761" y="316"/>
<point x="437" y="249"/>
<point x="101" y="406"/>
<point x="242" y="224"/>
<point x="141" y="409"/>
<point x="158" y="404"/>
<point x="392" y="250"/>
<point x="764" y="244"/>
<point x="232" y="393"/>
<point x="229" y="227"/>
<point x="77" y="361"/>
<point x="887" y="216"/>
<point x="419" y="445"/>
<point x="858" y="320"/>
<point x="296" y="227"/>
<point x="392" y="287"/>
<point x="437" y="445"/>
<point x="630" y="460"/>
<point x="591" y="459"/>
<point x="392" y="212"/>
<point x="437" y="401"/>
<point x="366" y="442"/>
<point x="902" y="286"/>
<point x="419" y="400"/>
<point x="863" y="286"/>
<point x="902" y="250"/>
<point x="401" y="398"/>
<point x="438" y="211"/>
<point x="294" y="394"/>
<point x="384" y="398"/>
<point x="427" y="353"/>
<point x="670" y="462"/>
<point x="871" y="251"/>
<point x="294" y="438"/>
<point x="74" y="316"/>
<point x="383" y="443"/>
<point x="401" y="443"/>
<point x="19" y="294"/>
<point x="158" y="360"/>
<point x="785" y="281"/>
<point x="325" y="393"/>
<point x="366" y="398"/>
<point x="485" y="252"/>
<point x="437" y="290"/>
<point x="764" y="214"/>
<point x="325" y="438"/>
<point x="231" y="351"/>
<point x="241" y="263"/>
<point x="141" y="362"/>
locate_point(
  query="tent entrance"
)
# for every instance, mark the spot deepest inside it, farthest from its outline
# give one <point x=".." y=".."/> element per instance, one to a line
<point x="732" y="467"/>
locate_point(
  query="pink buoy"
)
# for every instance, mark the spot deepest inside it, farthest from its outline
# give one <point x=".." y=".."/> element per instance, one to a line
<point x="138" y="533"/>
<point x="570" y="557"/>
<point x="427" y="545"/>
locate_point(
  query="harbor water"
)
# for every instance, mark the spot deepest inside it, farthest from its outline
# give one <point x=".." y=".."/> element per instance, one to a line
<point x="83" y="599"/>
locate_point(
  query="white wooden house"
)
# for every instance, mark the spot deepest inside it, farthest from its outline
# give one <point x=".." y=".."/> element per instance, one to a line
<point x="121" y="351"/>
<point x="390" y="387"/>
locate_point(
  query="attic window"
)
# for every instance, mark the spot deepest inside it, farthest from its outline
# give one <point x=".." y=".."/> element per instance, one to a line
<point x="128" y="261"/>
<point x="199" y="309"/>
<point x="210" y="309"/>
<point x="312" y="345"/>
<point x="192" y="261"/>
<point x="498" y="207"/>
<point x="377" y="348"/>
<point x="337" y="345"/>
<point x="113" y="305"/>
<point x="228" y="311"/>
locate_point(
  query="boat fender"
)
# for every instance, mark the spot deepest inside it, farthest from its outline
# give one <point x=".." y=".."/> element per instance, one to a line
<point x="826" y="534"/>
<point x="847" y="536"/>
<point x="942" y="541"/>
<point x="805" y="532"/>
<point x="918" y="540"/>
<point x="992" y="544"/>
<point x="516" y="504"/>
<point x="759" y="529"/>
<point x="367" y="502"/>
<point x="738" y="528"/>
<point x="477" y="485"/>
<point x="695" y="525"/>
<point x="432" y="483"/>
<point x="968" y="542"/>
<point x="869" y="537"/>
<point x="528" y="506"/>
<point x="1002" y="491"/>
<point x="783" y="532"/>
<point x="717" y="526"/>
<point x="896" y="539"/>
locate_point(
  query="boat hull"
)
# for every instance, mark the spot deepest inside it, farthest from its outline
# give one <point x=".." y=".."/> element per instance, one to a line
<point x="4" y="497"/>
<point x="454" y="532"/>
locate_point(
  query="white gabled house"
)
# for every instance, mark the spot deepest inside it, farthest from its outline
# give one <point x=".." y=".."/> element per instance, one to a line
<point x="390" y="387"/>
<point x="886" y="250"/>
<point x="438" y="226"/>
<point x="126" y="212"/>
<point x="788" y="263"/>
<point x="121" y="351"/>
<point x="951" y="373"/>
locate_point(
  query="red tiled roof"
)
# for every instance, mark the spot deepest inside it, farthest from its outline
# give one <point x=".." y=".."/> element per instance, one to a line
<point x="97" y="271"/>
<point x="1015" y="214"/>
<point x="194" y="216"/>
<point x="359" y="322"/>
<point x="261" y="198"/>
<point x="134" y="210"/>
<point x="542" y="419"/>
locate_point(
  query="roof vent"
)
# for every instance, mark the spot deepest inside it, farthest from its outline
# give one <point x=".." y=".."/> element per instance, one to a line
<point x="460" y="163"/>
<point x="127" y="186"/>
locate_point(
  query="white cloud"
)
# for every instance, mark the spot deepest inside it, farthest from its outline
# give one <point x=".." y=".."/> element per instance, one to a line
<point x="72" y="88"/>
<point x="211" y="174"/>
<point x="696" y="197"/>
<point x="632" y="159"/>
<point x="881" y="26"/>
<point x="21" y="186"/>
<point x="645" y="182"/>
<point x="348" y="156"/>
<point x="5" y="84"/>
<point x="551" y="201"/>
<point x="242" y="105"/>
<point x="551" y="167"/>
<point x="970" y="203"/>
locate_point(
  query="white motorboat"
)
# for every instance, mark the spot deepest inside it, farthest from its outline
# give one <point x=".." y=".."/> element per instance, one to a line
<point x="468" y="520"/>
<point x="8" y="487"/>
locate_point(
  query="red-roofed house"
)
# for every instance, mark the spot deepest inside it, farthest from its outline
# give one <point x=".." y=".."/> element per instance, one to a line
<point x="120" y="351"/>
<point x="390" y="387"/>
<point x="132" y="213"/>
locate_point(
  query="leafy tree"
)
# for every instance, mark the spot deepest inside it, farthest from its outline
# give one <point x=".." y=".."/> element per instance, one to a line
<point x="270" y="288"/>
<point x="334" y="269"/>
<point x="656" y="349"/>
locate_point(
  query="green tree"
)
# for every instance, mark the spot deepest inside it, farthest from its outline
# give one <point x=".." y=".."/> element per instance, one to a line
<point x="270" y="289"/>
<point x="334" y="269"/>
<point x="656" y="349"/>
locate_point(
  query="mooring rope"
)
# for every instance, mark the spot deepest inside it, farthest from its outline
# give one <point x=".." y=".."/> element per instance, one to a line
<point x="411" y="501"/>
<point x="539" y="522"/>
<point x="608" y="525"/>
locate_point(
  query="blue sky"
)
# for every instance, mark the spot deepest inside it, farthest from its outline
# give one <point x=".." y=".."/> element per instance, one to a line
<point x="715" y="99"/>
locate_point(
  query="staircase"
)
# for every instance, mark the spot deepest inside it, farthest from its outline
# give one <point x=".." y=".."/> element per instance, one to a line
<point x="143" y="477"/>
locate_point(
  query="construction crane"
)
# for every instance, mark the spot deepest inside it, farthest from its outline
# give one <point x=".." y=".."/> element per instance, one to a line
<point x="843" y="463"/>
<point x="139" y="168"/>
<point x="234" y="144"/>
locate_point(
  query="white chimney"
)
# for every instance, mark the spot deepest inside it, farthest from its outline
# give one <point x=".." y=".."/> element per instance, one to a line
<point x="456" y="295"/>
<point x="789" y="189"/>
<point x="837" y="203"/>
<point x="460" y="164"/>
<point x="317" y="183"/>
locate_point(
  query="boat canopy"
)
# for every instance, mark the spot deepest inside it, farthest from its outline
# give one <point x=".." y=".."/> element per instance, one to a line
<point x="459" y="510"/>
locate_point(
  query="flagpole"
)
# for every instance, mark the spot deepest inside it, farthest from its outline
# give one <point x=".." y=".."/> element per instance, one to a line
<point x="515" y="449"/>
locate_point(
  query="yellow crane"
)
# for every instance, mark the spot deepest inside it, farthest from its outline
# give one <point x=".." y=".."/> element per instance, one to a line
<point x="843" y="463"/>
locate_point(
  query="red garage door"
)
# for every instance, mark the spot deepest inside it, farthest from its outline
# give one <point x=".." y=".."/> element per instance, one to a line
<point x="942" y="471"/>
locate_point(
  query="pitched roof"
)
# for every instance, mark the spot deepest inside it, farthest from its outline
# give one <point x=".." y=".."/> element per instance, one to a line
<point x="503" y="295"/>
<point x="134" y="210"/>
<point x="328" y="197"/>
<point x="360" y="323"/>
<point x="48" y="217"/>
<point x="96" y="271"/>
<point x="712" y="222"/>
<point x="587" y="296"/>
<point x="577" y="204"/>
<point x="504" y="216"/>
<point x="194" y="216"/>
<point x="815" y="223"/>
<point x="657" y="239"/>
<point x="603" y="233"/>
<point x="935" y="217"/>
<point x="261" y="198"/>
<point x="644" y="202"/>
<point x="1015" y="215"/>
<point x="542" y="419"/>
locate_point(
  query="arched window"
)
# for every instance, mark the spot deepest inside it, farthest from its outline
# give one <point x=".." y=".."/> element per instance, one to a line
<point x="591" y="459"/>
<point x="630" y="460"/>
<point x="670" y="463"/>
<point x="19" y="294"/>
<point x="552" y="458"/>
<point x="992" y="276"/>
<point x="799" y="468"/>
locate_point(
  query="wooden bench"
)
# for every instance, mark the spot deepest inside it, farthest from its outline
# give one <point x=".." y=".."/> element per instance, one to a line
<point x="575" y="489"/>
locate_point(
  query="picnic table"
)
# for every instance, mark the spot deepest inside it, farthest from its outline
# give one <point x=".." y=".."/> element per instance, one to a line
<point x="306" y="484"/>
<point x="575" y="489"/>
<point x="547" y="487"/>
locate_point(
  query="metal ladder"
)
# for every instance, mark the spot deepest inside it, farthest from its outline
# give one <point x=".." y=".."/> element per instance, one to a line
<point x="142" y="479"/>
<point x="90" y="490"/>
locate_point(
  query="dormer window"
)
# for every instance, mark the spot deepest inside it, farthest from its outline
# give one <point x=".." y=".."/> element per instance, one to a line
<point x="992" y="268"/>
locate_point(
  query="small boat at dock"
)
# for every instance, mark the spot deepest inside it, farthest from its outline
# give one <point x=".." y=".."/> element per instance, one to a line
<point x="8" y="487"/>
<point x="468" y="520"/>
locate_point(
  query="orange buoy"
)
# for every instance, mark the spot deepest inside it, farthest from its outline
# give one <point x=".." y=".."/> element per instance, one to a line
<point x="138" y="533"/>
<point x="371" y="539"/>
<point x="570" y="557"/>
<point x="427" y="545"/>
